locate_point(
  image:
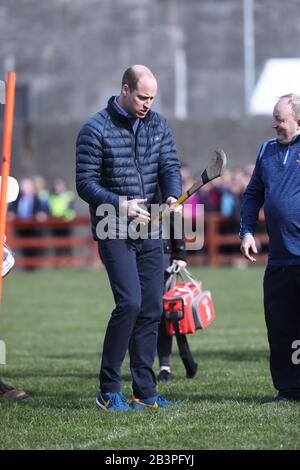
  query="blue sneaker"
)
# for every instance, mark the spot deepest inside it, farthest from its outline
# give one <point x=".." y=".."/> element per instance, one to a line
<point x="152" y="403"/>
<point x="113" y="401"/>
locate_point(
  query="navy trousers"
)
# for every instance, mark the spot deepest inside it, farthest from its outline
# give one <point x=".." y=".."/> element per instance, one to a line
<point x="282" y="314"/>
<point x="135" y="271"/>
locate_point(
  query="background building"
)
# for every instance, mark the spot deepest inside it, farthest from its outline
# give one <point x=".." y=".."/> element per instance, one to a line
<point x="69" y="56"/>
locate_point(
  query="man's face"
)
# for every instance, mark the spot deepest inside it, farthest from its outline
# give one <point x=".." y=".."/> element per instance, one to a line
<point x="139" y="101"/>
<point x="285" y="124"/>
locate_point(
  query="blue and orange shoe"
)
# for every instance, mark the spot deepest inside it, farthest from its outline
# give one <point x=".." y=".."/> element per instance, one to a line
<point x="112" y="401"/>
<point x="153" y="403"/>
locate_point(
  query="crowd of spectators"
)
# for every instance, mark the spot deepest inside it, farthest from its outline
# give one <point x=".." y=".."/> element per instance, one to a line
<point x="37" y="201"/>
<point x="221" y="195"/>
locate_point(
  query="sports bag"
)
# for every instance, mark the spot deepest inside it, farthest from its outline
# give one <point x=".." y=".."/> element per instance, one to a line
<point x="187" y="304"/>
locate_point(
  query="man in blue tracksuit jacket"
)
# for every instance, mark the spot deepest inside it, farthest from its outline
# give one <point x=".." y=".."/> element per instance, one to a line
<point x="126" y="159"/>
<point x="275" y="183"/>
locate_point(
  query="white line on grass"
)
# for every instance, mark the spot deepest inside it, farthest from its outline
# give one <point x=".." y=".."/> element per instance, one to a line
<point x="108" y="438"/>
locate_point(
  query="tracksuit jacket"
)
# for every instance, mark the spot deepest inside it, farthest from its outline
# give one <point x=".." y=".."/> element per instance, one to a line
<point x="275" y="183"/>
<point x="112" y="160"/>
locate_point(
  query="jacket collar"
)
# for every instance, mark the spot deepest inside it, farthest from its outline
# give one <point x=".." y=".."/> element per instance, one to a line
<point x="296" y="140"/>
<point x="113" y="110"/>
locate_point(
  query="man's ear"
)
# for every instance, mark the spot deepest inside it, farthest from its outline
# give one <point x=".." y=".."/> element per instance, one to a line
<point x="125" y="90"/>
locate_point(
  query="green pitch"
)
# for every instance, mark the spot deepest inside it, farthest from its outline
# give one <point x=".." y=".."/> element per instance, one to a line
<point x="53" y="324"/>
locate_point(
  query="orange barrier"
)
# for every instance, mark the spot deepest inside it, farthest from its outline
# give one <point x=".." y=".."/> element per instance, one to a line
<point x="84" y="248"/>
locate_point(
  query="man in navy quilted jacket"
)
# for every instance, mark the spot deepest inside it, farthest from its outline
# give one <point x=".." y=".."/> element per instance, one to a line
<point x="275" y="183"/>
<point x="126" y="163"/>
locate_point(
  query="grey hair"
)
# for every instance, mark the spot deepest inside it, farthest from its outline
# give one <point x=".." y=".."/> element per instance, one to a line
<point x="294" y="101"/>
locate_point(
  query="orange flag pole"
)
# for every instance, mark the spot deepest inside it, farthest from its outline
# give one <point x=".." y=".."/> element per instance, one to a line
<point x="6" y="157"/>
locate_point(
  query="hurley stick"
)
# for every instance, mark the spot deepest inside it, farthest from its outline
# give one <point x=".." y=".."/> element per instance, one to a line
<point x="214" y="169"/>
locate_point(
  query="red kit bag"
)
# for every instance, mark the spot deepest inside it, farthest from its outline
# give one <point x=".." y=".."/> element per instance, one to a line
<point x="191" y="307"/>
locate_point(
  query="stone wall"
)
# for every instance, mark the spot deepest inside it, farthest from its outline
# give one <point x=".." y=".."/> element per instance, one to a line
<point x="71" y="53"/>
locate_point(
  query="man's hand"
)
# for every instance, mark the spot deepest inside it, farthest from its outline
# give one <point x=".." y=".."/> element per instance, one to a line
<point x="171" y="202"/>
<point x="132" y="209"/>
<point x="248" y="243"/>
<point x="180" y="263"/>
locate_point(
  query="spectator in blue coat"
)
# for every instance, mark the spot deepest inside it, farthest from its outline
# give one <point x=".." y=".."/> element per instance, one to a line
<point x="126" y="159"/>
<point x="28" y="207"/>
<point x="275" y="183"/>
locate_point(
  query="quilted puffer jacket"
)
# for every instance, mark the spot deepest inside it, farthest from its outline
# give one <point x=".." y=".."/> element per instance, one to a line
<point x="113" y="161"/>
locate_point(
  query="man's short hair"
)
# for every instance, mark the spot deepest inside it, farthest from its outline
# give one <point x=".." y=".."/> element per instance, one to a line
<point x="294" y="101"/>
<point x="130" y="78"/>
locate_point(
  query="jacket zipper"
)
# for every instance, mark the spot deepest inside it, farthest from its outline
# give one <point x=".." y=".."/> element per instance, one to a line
<point x="286" y="155"/>
<point x="137" y="165"/>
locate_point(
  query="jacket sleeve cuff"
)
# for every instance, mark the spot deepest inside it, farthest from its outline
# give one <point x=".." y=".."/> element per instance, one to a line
<point x="242" y="235"/>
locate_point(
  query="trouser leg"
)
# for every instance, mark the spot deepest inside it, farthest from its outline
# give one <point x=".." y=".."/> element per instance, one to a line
<point x="143" y="342"/>
<point x="119" y="258"/>
<point x="281" y="301"/>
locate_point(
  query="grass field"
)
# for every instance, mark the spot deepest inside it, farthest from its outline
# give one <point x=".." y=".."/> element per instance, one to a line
<point x="53" y="323"/>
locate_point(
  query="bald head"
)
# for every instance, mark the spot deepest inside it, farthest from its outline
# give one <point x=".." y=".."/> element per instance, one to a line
<point x="139" y="87"/>
<point x="134" y="73"/>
